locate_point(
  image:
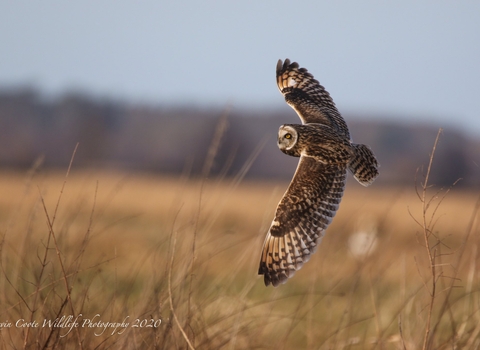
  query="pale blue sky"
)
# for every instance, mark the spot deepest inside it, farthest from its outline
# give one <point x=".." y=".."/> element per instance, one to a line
<point x="418" y="59"/>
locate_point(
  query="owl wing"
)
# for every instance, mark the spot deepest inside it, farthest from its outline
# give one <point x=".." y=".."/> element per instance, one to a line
<point x="306" y="209"/>
<point x="307" y="97"/>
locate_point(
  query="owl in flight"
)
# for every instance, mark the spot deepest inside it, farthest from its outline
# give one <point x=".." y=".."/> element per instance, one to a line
<point x="326" y="151"/>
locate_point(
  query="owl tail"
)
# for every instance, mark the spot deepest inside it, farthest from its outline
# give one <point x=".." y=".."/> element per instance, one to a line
<point x="364" y="165"/>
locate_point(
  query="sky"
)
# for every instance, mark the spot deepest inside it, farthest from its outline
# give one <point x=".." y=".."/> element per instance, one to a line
<point x="411" y="60"/>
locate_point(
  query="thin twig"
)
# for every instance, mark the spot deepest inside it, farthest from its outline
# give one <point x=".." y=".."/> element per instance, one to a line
<point x="400" y="331"/>
<point x="426" y="234"/>
<point x="211" y="155"/>
<point x="169" y="279"/>
<point x="50" y="223"/>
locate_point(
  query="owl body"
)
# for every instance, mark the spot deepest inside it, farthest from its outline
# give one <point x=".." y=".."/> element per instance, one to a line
<point x="314" y="140"/>
<point x="326" y="153"/>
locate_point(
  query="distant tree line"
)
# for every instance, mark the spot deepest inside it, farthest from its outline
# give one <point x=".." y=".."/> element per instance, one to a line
<point x="180" y="139"/>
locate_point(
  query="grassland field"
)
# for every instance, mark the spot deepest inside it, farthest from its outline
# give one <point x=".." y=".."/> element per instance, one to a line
<point x="181" y="252"/>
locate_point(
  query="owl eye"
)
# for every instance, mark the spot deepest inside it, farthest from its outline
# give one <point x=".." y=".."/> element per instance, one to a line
<point x="288" y="136"/>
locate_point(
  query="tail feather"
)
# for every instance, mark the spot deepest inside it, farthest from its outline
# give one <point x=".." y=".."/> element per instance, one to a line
<point x="364" y="165"/>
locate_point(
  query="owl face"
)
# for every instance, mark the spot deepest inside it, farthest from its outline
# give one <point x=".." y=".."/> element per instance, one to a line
<point x="287" y="137"/>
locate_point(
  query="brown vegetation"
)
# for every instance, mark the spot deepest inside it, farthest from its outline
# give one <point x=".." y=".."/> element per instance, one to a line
<point x="397" y="269"/>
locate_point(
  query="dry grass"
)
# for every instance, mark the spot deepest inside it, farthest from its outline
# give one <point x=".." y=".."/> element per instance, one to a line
<point x="131" y="246"/>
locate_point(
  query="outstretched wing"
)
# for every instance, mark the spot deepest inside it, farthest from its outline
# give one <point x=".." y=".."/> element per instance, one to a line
<point x="306" y="209"/>
<point x="307" y="97"/>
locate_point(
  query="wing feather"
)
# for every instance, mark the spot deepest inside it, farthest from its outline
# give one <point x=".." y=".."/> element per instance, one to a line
<point x="308" y="98"/>
<point x="303" y="214"/>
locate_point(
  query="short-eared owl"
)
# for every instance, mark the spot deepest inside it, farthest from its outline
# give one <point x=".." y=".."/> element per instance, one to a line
<point x="326" y="152"/>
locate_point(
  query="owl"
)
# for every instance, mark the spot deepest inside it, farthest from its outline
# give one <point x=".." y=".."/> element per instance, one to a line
<point x="326" y="152"/>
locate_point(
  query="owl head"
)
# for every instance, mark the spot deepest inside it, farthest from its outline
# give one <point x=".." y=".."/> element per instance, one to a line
<point x="287" y="140"/>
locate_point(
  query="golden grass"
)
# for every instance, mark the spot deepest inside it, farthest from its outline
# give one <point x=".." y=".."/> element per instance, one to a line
<point x="115" y="236"/>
